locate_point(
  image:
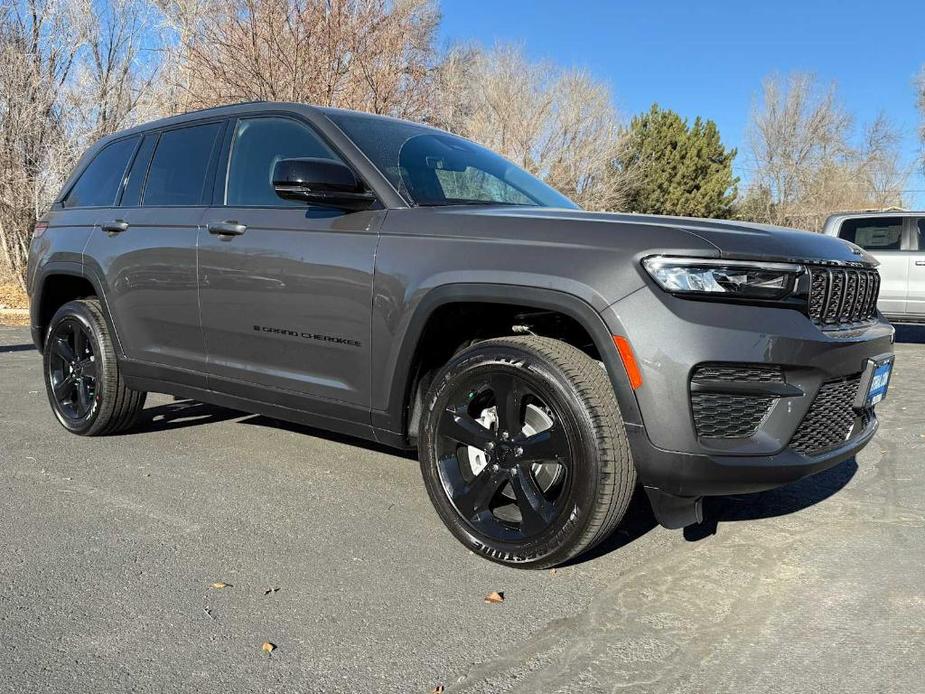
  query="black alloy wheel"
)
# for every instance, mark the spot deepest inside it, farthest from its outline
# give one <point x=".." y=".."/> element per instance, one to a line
<point x="73" y="370"/>
<point x="503" y="477"/>
<point x="523" y="451"/>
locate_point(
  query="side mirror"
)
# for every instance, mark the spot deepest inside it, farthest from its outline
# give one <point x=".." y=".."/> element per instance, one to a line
<point x="320" y="182"/>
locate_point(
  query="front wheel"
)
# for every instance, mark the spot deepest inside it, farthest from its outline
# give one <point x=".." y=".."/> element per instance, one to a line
<point x="523" y="451"/>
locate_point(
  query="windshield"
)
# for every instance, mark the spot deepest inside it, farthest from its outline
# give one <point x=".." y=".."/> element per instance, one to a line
<point x="430" y="167"/>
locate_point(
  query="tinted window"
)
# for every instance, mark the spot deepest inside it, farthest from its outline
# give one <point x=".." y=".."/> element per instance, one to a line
<point x="99" y="183"/>
<point x="918" y="239"/>
<point x="131" y="196"/>
<point x="874" y="233"/>
<point x="258" y="144"/>
<point x="181" y="162"/>
<point x="431" y="167"/>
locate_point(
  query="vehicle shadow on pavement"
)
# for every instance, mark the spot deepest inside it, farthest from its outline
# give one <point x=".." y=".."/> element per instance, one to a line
<point x="775" y="502"/>
<point x="17" y="348"/>
<point x="181" y="413"/>
<point x="910" y="333"/>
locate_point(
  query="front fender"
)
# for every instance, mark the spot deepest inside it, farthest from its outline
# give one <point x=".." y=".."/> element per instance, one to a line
<point x="393" y="362"/>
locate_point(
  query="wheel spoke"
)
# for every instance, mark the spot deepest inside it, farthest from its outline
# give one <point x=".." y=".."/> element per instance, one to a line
<point x="83" y="397"/>
<point x="549" y="445"/>
<point x="462" y="428"/>
<point x="80" y="343"/>
<point x="62" y="349"/>
<point x="508" y="394"/>
<point x="88" y="368"/>
<point x="535" y="511"/>
<point x="63" y="387"/>
<point x="475" y="497"/>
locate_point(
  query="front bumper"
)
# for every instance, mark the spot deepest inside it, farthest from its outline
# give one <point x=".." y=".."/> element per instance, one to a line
<point x="673" y="337"/>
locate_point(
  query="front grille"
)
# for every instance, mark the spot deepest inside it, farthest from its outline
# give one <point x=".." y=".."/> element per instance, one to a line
<point x="842" y="296"/>
<point x="731" y="415"/>
<point x="830" y="418"/>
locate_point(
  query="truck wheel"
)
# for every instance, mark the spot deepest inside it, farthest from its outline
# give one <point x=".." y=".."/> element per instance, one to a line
<point x="523" y="451"/>
<point x="85" y="387"/>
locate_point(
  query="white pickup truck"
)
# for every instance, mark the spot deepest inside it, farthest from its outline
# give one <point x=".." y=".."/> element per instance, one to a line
<point x="897" y="240"/>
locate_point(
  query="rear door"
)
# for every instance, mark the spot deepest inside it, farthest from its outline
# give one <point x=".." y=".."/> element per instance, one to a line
<point x="146" y="248"/>
<point x="883" y="237"/>
<point x="915" y="301"/>
<point x="286" y="303"/>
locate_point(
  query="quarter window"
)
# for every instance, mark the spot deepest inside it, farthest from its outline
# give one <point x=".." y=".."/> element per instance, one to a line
<point x="874" y="233"/>
<point x="99" y="183"/>
<point x="259" y="143"/>
<point x="180" y="166"/>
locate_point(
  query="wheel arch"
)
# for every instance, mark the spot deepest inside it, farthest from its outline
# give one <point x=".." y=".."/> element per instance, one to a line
<point x="56" y="284"/>
<point x="401" y="389"/>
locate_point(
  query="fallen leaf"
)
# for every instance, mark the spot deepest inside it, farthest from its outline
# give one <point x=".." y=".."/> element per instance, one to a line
<point x="270" y="591"/>
<point x="437" y="690"/>
<point x="552" y="571"/>
<point x="218" y="585"/>
<point x="494" y="597"/>
<point x="268" y="647"/>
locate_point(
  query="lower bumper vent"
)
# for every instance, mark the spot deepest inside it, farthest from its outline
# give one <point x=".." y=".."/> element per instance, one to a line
<point x="830" y="418"/>
<point x="724" y="415"/>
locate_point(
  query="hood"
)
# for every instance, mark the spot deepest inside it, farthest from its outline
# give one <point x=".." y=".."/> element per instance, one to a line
<point x="734" y="240"/>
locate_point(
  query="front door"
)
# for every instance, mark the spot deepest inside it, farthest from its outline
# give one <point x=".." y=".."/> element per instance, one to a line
<point x="285" y="288"/>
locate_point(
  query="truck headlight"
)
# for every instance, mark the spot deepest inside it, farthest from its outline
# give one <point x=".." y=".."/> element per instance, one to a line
<point x="724" y="279"/>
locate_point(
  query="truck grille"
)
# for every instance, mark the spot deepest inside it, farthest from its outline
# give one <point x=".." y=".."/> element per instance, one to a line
<point x="830" y="418"/>
<point x="731" y="415"/>
<point x="842" y="296"/>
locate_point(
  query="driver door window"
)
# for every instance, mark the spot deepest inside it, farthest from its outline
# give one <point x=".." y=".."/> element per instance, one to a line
<point x="259" y="143"/>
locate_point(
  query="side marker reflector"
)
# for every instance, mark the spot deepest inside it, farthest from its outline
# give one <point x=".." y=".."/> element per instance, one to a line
<point x="629" y="361"/>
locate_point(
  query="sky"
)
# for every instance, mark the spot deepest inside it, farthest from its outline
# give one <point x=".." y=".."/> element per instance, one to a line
<point x="708" y="57"/>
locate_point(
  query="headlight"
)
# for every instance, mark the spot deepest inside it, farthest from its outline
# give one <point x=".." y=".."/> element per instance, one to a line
<point x="743" y="279"/>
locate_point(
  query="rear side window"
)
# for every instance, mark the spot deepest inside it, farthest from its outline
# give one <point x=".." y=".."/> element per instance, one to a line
<point x="99" y="183"/>
<point x="259" y="143"/>
<point x="874" y="233"/>
<point x="180" y="166"/>
<point x="918" y="236"/>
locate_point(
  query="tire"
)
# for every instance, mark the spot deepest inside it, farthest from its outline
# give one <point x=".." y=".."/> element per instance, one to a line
<point x="577" y="456"/>
<point x="85" y="386"/>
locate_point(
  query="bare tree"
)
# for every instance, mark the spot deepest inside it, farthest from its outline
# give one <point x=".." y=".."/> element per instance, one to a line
<point x="70" y="72"/>
<point x="558" y="124"/>
<point x="38" y="46"/>
<point x="807" y="166"/>
<point x="371" y="55"/>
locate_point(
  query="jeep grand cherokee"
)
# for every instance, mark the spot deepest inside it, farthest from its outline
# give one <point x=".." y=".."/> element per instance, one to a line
<point x="394" y="282"/>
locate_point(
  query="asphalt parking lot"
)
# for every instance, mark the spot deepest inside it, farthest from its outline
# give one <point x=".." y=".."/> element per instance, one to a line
<point x="332" y="552"/>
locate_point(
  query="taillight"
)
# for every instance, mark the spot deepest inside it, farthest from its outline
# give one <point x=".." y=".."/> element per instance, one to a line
<point x="39" y="229"/>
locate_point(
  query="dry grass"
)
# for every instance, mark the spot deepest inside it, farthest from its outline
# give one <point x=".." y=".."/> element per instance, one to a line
<point x="12" y="296"/>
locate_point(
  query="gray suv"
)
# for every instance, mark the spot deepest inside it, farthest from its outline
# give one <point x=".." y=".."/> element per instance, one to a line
<point x="393" y="282"/>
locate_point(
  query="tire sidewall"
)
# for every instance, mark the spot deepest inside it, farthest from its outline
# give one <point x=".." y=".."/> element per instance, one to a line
<point x="76" y="311"/>
<point x="555" y="544"/>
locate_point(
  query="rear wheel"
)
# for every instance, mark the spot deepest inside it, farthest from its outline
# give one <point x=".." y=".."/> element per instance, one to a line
<point x="523" y="451"/>
<point x="85" y="387"/>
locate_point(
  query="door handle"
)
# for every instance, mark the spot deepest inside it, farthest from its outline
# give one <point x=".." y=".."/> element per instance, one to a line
<point x="114" y="227"/>
<point x="227" y="228"/>
<point x="920" y="263"/>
